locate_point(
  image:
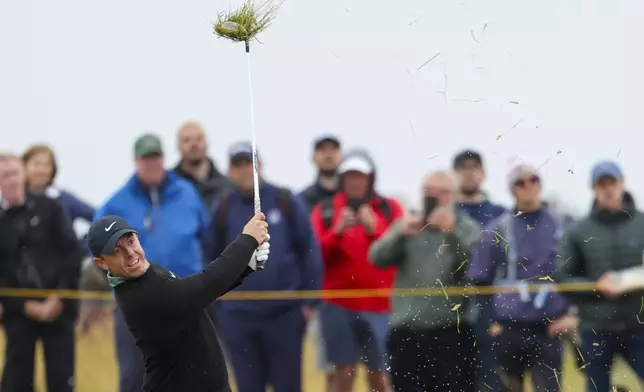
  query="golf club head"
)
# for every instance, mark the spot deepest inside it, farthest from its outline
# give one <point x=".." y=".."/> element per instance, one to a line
<point x="233" y="27"/>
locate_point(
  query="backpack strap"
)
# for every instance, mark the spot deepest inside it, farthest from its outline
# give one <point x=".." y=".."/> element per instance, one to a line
<point x="221" y="225"/>
<point x="385" y="208"/>
<point x="284" y="202"/>
<point x="327" y="212"/>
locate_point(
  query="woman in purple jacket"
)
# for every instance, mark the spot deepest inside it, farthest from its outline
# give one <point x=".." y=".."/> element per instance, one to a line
<point x="519" y="248"/>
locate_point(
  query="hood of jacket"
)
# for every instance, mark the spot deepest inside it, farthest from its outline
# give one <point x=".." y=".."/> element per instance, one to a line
<point x="363" y="154"/>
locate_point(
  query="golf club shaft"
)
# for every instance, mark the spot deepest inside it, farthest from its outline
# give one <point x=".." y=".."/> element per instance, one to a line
<point x="257" y="201"/>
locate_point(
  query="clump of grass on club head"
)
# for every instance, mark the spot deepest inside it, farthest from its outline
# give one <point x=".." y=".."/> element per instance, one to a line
<point x="244" y="23"/>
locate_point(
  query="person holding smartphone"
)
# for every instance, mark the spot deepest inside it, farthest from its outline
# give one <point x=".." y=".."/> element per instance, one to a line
<point x="430" y="343"/>
<point x="346" y="225"/>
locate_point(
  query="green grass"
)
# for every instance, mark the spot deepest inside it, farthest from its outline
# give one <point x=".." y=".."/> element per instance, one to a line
<point x="97" y="369"/>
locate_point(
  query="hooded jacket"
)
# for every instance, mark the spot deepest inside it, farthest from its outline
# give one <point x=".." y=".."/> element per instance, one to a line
<point x="346" y="256"/>
<point x="602" y="242"/>
<point x="517" y="250"/>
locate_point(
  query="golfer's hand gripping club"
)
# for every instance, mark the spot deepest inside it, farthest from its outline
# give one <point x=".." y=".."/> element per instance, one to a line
<point x="257" y="227"/>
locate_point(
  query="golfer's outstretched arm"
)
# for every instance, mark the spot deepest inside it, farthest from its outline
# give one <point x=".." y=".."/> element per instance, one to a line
<point x="194" y="293"/>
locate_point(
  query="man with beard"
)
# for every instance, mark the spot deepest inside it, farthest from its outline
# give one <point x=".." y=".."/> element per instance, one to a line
<point x="468" y="166"/>
<point x="472" y="200"/>
<point x="326" y="157"/>
<point x="327" y="154"/>
<point x="195" y="165"/>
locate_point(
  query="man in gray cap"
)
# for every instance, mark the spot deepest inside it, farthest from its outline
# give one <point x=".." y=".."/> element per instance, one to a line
<point x="607" y="247"/>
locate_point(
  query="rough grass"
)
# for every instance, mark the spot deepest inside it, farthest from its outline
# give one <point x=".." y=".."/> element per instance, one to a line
<point x="96" y="368"/>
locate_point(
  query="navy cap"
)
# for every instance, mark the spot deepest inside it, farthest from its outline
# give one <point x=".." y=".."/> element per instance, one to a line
<point x="105" y="232"/>
<point x="606" y="169"/>
<point x="240" y="150"/>
<point x="466" y="155"/>
<point x="328" y="138"/>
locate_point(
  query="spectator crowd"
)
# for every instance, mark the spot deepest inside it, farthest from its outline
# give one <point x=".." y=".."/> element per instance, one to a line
<point x="342" y="233"/>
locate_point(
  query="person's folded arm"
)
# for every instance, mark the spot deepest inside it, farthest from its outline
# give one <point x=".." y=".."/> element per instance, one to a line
<point x="13" y="304"/>
<point x="389" y="249"/>
<point x="78" y="208"/>
<point x="188" y="295"/>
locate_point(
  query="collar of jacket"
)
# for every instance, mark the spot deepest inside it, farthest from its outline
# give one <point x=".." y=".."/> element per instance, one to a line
<point x="213" y="173"/>
<point x="167" y="188"/>
<point x="626" y="213"/>
<point x="5" y="206"/>
<point x="114" y="280"/>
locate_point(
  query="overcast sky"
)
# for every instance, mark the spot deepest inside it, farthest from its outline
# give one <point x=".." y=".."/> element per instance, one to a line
<point x="558" y="83"/>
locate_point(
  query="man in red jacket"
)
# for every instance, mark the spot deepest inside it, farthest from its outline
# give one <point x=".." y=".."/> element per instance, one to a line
<point x="346" y="225"/>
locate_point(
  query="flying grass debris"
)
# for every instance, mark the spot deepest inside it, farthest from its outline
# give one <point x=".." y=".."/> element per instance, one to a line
<point x="428" y="61"/>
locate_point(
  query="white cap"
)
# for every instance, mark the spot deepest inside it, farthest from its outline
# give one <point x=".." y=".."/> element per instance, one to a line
<point x="356" y="163"/>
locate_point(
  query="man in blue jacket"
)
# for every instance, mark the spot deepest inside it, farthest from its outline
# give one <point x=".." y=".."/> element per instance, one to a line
<point x="264" y="337"/>
<point x="171" y="221"/>
<point x="471" y="199"/>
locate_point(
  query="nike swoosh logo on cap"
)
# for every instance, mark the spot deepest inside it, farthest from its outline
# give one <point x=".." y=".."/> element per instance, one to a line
<point x="108" y="228"/>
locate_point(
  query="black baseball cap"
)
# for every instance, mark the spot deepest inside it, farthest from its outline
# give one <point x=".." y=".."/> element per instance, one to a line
<point x="323" y="139"/>
<point x="465" y="156"/>
<point x="105" y="232"/>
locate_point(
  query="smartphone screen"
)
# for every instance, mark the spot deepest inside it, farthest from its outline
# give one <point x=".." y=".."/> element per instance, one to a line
<point x="429" y="205"/>
<point x="354" y="204"/>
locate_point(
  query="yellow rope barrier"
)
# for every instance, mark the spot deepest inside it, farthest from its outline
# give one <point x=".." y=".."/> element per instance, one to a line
<point x="315" y="294"/>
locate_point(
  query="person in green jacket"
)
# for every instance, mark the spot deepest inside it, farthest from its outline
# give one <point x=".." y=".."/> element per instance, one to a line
<point x="607" y="247"/>
<point x="430" y="343"/>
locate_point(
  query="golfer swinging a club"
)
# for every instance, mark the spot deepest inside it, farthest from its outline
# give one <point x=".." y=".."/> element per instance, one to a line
<point x="167" y="315"/>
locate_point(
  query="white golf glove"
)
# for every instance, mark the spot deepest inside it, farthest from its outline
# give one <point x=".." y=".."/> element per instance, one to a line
<point x="260" y="255"/>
